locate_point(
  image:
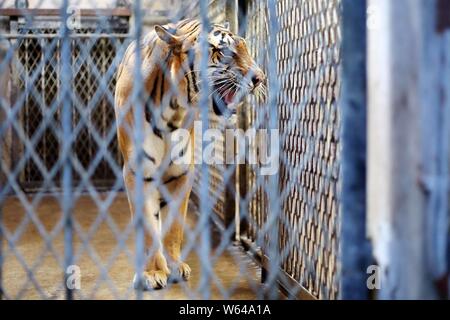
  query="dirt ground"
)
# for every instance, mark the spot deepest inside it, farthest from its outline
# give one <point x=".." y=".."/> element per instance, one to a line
<point x="235" y="275"/>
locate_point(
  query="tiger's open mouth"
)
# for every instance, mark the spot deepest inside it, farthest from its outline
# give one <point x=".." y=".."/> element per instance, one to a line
<point x="223" y="99"/>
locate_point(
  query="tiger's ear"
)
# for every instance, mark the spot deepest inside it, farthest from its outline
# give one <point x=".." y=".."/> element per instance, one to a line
<point x="168" y="37"/>
<point x="189" y="41"/>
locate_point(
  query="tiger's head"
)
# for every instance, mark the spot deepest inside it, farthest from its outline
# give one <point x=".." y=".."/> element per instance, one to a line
<point x="231" y="71"/>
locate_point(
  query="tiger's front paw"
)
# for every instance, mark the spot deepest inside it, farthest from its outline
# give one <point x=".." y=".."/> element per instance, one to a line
<point x="184" y="271"/>
<point x="180" y="271"/>
<point x="151" y="280"/>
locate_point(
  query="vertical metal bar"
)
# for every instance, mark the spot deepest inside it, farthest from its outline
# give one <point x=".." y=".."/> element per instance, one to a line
<point x="241" y="214"/>
<point x="272" y="190"/>
<point x="446" y="155"/>
<point x="355" y="250"/>
<point x="438" y="214"/>
<point x="242" y="18"/>
<point x="66" y="124"/>
<point x="231" y="204"/>
<point x="3" y="178"/>
<point x="434" y="154"/>
<point x="205" y="207"/>
<point x="435" y="151"/>
<point x="42" y="105"/>
<point x="231" y="14"/>
<point x="104" y="103"/>
<point x="138" y="112"/>
<point x="1" y="234"/>
<point x="1" y="245"/>
<point x="28" y="176"/>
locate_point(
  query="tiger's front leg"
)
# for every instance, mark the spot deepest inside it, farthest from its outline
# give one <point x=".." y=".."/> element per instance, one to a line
<point x="156" y="270"/>
<point x="178" y="185"/>
<point x="175" y="219"/>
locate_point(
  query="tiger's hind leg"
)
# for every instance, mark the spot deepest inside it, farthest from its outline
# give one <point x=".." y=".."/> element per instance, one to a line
<point x="156" y="270"/>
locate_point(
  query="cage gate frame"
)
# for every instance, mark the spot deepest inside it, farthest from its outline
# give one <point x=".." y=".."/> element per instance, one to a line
<point x="38" y="34"/>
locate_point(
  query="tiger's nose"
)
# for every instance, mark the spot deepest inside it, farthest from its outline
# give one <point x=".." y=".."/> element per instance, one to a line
<point x="257" y="80"/>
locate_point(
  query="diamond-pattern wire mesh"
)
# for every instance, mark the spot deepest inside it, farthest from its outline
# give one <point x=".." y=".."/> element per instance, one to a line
<point x="308" y="57"/>
<point x="85" y="84"/>
<point x="31" y="58"/>
<point x="309" y="126"/>
<point x="30" y="53"/>
<point x="91" y="87"/>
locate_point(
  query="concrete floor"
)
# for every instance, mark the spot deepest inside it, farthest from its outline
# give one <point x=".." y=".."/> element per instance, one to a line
<point x="236" y="276"/>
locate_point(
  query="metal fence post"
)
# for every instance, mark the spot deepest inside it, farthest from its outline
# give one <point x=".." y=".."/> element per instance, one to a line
<point x="354" y="249"/>
<point x="241" y="169"/>
<point x="66" y="124"/>
<point x="231" y="200"/>
<point x="231" y="8"/>
<point x="4" y="79"/>
<point x="446" y="140"/>
<point x="1" y="248"/>
<point x="438" y="211"/>
<point x="137" y="100"/>
<point x="273" y="187"/>
<point x="205" y="203"/>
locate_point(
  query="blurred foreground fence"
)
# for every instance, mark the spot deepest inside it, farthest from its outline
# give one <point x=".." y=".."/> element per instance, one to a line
<point x="356" y="205"/>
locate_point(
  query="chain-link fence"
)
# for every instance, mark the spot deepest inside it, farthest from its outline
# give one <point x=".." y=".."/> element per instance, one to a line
<point x="59" y="117"/>
<point x="63" y="206"/>
<point x="93" y="60"/>
<point x="308" y="58"/>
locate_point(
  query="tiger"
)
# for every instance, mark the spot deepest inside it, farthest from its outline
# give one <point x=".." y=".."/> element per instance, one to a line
<point x="171" y="60"/>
